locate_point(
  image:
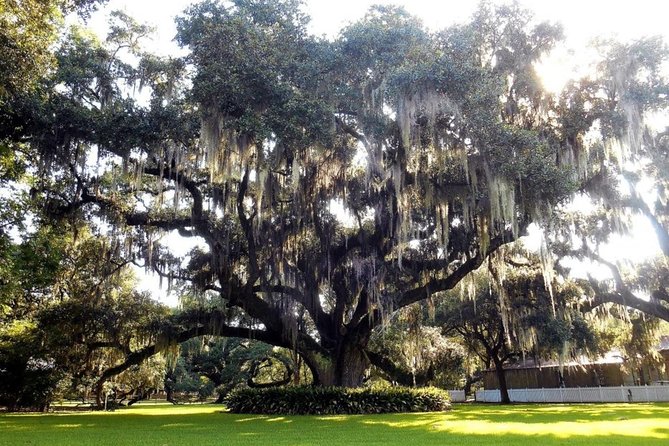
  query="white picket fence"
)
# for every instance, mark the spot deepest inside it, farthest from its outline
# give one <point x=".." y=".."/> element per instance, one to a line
<point x="622" y="394"/>
<point x="457" y="396"/>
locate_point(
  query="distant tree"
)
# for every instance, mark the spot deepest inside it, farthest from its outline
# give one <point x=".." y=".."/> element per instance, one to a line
<point x="71" y="312"/>
<point x="29" y="269"/>
<point x="521" y="317"/>
<point x="221" y="364"/>
<point x="481" y="328"/>
<point x="138" y="383"/>
<point x="637" y="337"/>
<point x="414" y="352"/>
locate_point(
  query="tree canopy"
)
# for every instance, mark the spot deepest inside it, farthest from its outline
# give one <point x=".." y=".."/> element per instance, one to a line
<point x="439" y="148"/>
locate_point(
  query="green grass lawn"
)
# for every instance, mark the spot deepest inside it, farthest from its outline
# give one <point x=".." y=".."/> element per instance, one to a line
<point x="608" y="424"/>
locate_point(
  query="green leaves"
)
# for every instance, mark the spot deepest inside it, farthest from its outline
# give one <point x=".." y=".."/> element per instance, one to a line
<point x="386" y="38"/>
<point x="27" y="29"/>
<point x="254" y="60"/>
<point x="337" y="400"/>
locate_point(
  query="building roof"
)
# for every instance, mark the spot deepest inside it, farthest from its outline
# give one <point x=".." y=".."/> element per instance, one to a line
<point x="612" y="357"/>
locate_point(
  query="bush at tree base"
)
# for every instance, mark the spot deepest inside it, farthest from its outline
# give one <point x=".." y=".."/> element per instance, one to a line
<point x="336" y="400"/>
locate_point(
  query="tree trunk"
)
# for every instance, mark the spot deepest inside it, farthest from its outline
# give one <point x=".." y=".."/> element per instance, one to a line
<point x="346" y="369"/>
<point x="99" y="389"/>
<point x="501" y="379"/>
<point x="169" y="395"/>
<point x="470" y="381"/>
<point x="351" y="366"/>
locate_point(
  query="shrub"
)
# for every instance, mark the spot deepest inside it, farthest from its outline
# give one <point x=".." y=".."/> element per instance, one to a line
<point x="27" y="386"/>
<point x="336" y="400"/>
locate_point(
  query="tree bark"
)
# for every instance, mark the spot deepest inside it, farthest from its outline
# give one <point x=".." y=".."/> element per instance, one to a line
<point x="470" y="381"/>
<point x="345" y="368"/>
<point x="501" y="379"/>
<point x="351" y="366"/>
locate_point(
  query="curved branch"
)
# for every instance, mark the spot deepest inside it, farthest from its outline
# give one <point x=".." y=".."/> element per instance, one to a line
<point x="398" y="374"/>
<point x="628" y="299"/>
<point x="436" y="285"/>
<point x="349" y="129"/>
<point x="622" y="295"/>
<point x="180" y="178"/>
<point x="246" y="227"/>
<point x="255" y="368"/>
<point x="661" y="232"/>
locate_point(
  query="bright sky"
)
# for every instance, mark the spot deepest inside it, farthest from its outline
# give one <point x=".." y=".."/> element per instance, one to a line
<point x="582" y="17"/>
<point x="583" y="20"/>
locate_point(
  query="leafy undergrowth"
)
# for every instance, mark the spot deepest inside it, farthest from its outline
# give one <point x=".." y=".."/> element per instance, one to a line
<point x="309" y="400"/>
<point x="591" y="425"/>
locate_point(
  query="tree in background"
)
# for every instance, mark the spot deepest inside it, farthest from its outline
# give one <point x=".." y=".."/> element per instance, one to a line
<point x="29" y="269"/>
<point x="71" y="311"/>
<point x="219" y="365"/>
<point x="414" y="352"/>
<point x="523" y="316"/>
<point x="636" y="336"/>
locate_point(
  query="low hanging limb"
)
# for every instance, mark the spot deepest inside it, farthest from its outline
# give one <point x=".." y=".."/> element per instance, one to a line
<point x="258" y="365"/>
<point x="212" y="328"/>
<point x="397" y="374"/>
<point x="622" y="295"/>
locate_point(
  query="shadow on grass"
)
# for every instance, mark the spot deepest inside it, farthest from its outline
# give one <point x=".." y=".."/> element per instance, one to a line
<point x="465" y="425"/>
<point x="539" y="413"/>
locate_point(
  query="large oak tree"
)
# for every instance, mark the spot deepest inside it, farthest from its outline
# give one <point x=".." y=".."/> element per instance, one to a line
<point x="439" y="148"/>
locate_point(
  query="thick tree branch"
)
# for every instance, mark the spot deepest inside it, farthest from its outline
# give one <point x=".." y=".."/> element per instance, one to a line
<point x="180" y="178"/>
<point x="436" y="285"/>
<point x="247" y="228"/>
<point x="628" y="299"/>
<point x="393" y="372"/>
<point x="661" y="232"/>
<point x="622" y="295"/>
